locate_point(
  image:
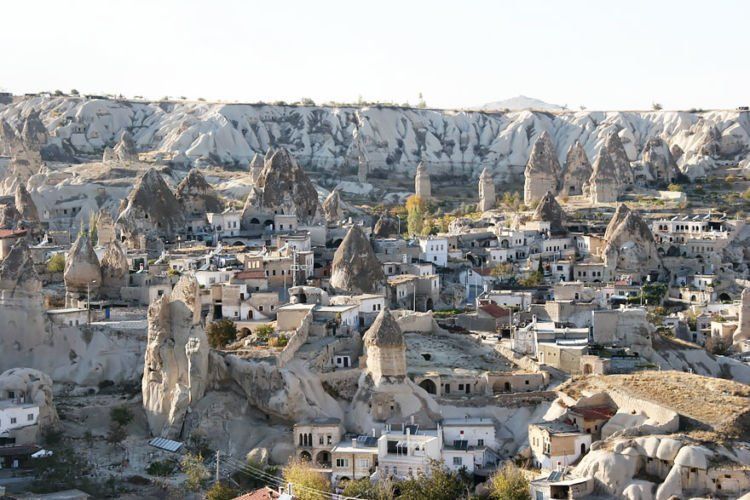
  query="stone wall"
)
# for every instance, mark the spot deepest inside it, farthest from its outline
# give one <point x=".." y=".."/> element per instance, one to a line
<point x="295" y="341"/>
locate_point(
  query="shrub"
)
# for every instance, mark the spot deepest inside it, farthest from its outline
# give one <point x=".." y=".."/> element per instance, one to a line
<point x="280" y="341"/>
<point x="306" y="480"/>
<point x="195" y="470"/>
<point x="263" y="332"/>
<point x="221" y="491"/>
<point x="56" y="263"/>
<point x="121" y="415"/>
<point x="509" y="483"/>
<point x="221" y="333"/>
<point x="161" y="468"/>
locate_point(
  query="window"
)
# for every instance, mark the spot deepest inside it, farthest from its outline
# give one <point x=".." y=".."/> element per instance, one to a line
<point x="363" y="463"/>
<point x="342" y="462"/>
<point x="30" y="417"/>
<point x="458" y="461"/>
<point x="480" y="442"/>
<point x="12" y="420"/>
<point x="320" y="440"/>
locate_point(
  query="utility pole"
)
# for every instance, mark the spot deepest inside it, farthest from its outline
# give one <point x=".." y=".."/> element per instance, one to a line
<point x="218" y="457"/>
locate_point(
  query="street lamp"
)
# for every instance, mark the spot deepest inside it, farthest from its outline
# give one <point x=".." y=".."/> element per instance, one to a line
<point x="88" y="301"/>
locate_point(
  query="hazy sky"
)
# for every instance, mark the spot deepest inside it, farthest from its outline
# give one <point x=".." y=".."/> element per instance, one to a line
<point x="601" y="54"/>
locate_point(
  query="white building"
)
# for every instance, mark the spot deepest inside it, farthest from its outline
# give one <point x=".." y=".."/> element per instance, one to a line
<point x="468" y="443"/>
<point x="16" y="414"/>
<point x="408" y="451"/>
<point x="434" y="249"/>
<point x="225" y="224"/>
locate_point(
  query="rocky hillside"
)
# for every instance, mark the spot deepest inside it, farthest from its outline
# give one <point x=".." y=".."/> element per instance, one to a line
<point x="394" y="139"/>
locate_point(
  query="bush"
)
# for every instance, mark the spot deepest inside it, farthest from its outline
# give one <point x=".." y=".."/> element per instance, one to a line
<point x="280" y="341"/>
<point x="509" y="483"/>
<point x="221" y="491"/>
<point x="306" y="480"/>
<point x="161" y="468"/>
<point x="195" y="470"/>
<point x="221" y="333"/>
<point x="116" y="434"/>
<point x="121" y="415"/>
<point x="56" y="263"/>
<point x="263" y="332"/>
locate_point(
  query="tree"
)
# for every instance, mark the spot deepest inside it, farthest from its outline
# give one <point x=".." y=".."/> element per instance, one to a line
<point x="116" y="434"/>
<point x="509" y="483"/>
<point x="307" y="483"/>
<point x="416" y="207"/>
<point x="121" y="415"/>
<point x="195" y="471"/>
<point x="657" y="106"/>
<point x="263" y="332"/>
<point x="421" y="103"/>
<point x="74" y="92"/>
<point x="221" y="333"/>
<point x="364" y="488"/>
<point x="442" y="484"/>
<point x="56" y="263"/>
<point x="502" y="270"/>
<point x="221" y="491"/>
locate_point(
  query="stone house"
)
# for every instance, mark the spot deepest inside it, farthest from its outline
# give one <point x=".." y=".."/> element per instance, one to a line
<point x="315" y="440"/>
<point x="557" y="444"/>
<point x="354" y="460"/>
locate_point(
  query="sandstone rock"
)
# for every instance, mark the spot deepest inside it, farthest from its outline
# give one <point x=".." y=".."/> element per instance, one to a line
<point x="487" y="197"/>
<point x="125" y="149"/>
<point x="9" y="217"/>
<point x="549" y="210"/>
<point x="422" y="184"/>
<point x="82" y="269"/>
<point x="629" y="244"/>
<point x="108" y="155"/>
<point x="619" y="156"/>
<point x="676" y="152"/>
<point x="8" y="138"/>
<point x="385" y="347"/>
<point x="255" y="167"/>
<point x="542" y="172"/>
<point x="105" y="227"/>
<point x="710" y="142"/>
<point x="176" y="359"/>
<point x="577" y="172"/>
<point x="659" y="161"/>
<point x="36" y="387"/>
<point x="283" y="188"/>
<point x="196" y="195"/>
<point x="355" y="268"/>
<point x="742" y="333"/>
<point x="17" y="274"/>
<point x="332" y="207"/>
<point x="115" y="272"/>
<point x="386" y="226"/>
<point x="33" y="132"/>
<point x="603" y="183"/>
<point x="151" y="210"/>
<point x="25" y="205"/>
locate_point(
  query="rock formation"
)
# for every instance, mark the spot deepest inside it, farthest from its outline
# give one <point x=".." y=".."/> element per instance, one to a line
<point x="25" y="205"/>
<point x="115" y="270"/>
<point x="33" y="132"/>
<point x="577" y="172"/>
<point x="422" y="184"/>
<point x="125" y="149"/>
<point x="616" y="151"/>
<point x="629" y="244"/>
<point x="542" y="172"/>
<point x="176" y="360"/>
<point x="151" y="210"/>
<point x="18" y="278"/>
<point x="196" y="195"/>
<point x="332" y="207"/>
<point x="105" y="227"/>
<point x="657" y="158"/>
<point x="549" y="210"/>
<point x="83" y="272"/>
<point x="355" y="268"/>
<point x="255" y="168"/>
<point x="603" y="183"/>
<point x="108" y="155"/>
<point x="742" y="333"/>
<point x="36" y="388"/>
<point x="385" y="348"/>
<point x="8" y="138"/>
<point x="9" y="217"/>
<point x="282" y="188"/>
<point x="676" y="151"/>
<point x="385" y="227"/>
<point x="486" y="191"/>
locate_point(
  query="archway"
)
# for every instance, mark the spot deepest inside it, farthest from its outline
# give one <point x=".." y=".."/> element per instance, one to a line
<point x="429" y="386"/>
<point x="254" y="221"/>
<point x="305" y="456"/>
<point x="323" y="458"/>
<point x="583" y="448"/>
<point x="588" y="369"/>
<point x="725" y="298"/>
<point x="429" y="305"/>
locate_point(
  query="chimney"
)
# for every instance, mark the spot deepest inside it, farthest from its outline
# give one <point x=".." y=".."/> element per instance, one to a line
<point x="412" y="420"/>
<point x="373" y="432"/>
<point x="354" y="442"/>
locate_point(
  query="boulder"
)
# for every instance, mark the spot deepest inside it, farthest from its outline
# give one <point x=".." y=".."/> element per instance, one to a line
<point x="549" y="210"/>
<point x="196" y="196"/>
<point x="115" y="270"/>
<point x="176" y="359"/>
<point x="542" y="172"/>
<point x="355" y="268"/>
<point x="83" y="272"/>
<point x="577" y="171"/>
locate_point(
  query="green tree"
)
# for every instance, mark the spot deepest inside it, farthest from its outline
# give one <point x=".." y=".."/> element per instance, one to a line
<point x="221" y="333"/>
<point x="221" y="491"/>
<point x="307" y="483"/>
<point x="121" y="415"/>
<point x="263" y="332"/>
<point x="364" y="488"/>
<point x="56" y="263"/>
<point x="509" y="483"/>
<point x="442" y="484"/>
<point x="416" y="208"/>
<point x="195" y="471"/>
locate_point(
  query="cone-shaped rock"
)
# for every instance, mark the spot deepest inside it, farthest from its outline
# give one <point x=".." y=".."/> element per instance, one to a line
<point x="629" y="244"/>
<point x="114" y="265"/>
<point x="542" y="172"/>
<point x="577" y="171"/>
<point x="255" y="167"/>
<point x="33" y="132"/>
<point x="17" y="273"/>
<point x="332" y="207"/>
<point x="355" y="268"/>
<point x="386" y="226"/>
<point x="658" y="159"/>
<point x="125" y="149"/>
<point x="282" y="188"/>
<point x="549" y="210"/>
<point x="603" y="183"/>
<point x="82" y="268"/>
<point x="151" y="209"/>
<point x="619" y="157"/>
<point x="385" y="346"/>
<point x="196" y="195"/>
<point x="25" y="204"/>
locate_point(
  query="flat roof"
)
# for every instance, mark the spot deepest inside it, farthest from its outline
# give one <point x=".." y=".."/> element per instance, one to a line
<point x="336" y="308"/>
<point x="475" y="421"/>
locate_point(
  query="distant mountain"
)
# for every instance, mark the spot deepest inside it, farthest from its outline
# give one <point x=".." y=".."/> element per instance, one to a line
<point x="520" y="102"/>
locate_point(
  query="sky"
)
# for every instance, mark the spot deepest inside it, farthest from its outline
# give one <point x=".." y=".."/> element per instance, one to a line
<point x="599" y="54"/>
